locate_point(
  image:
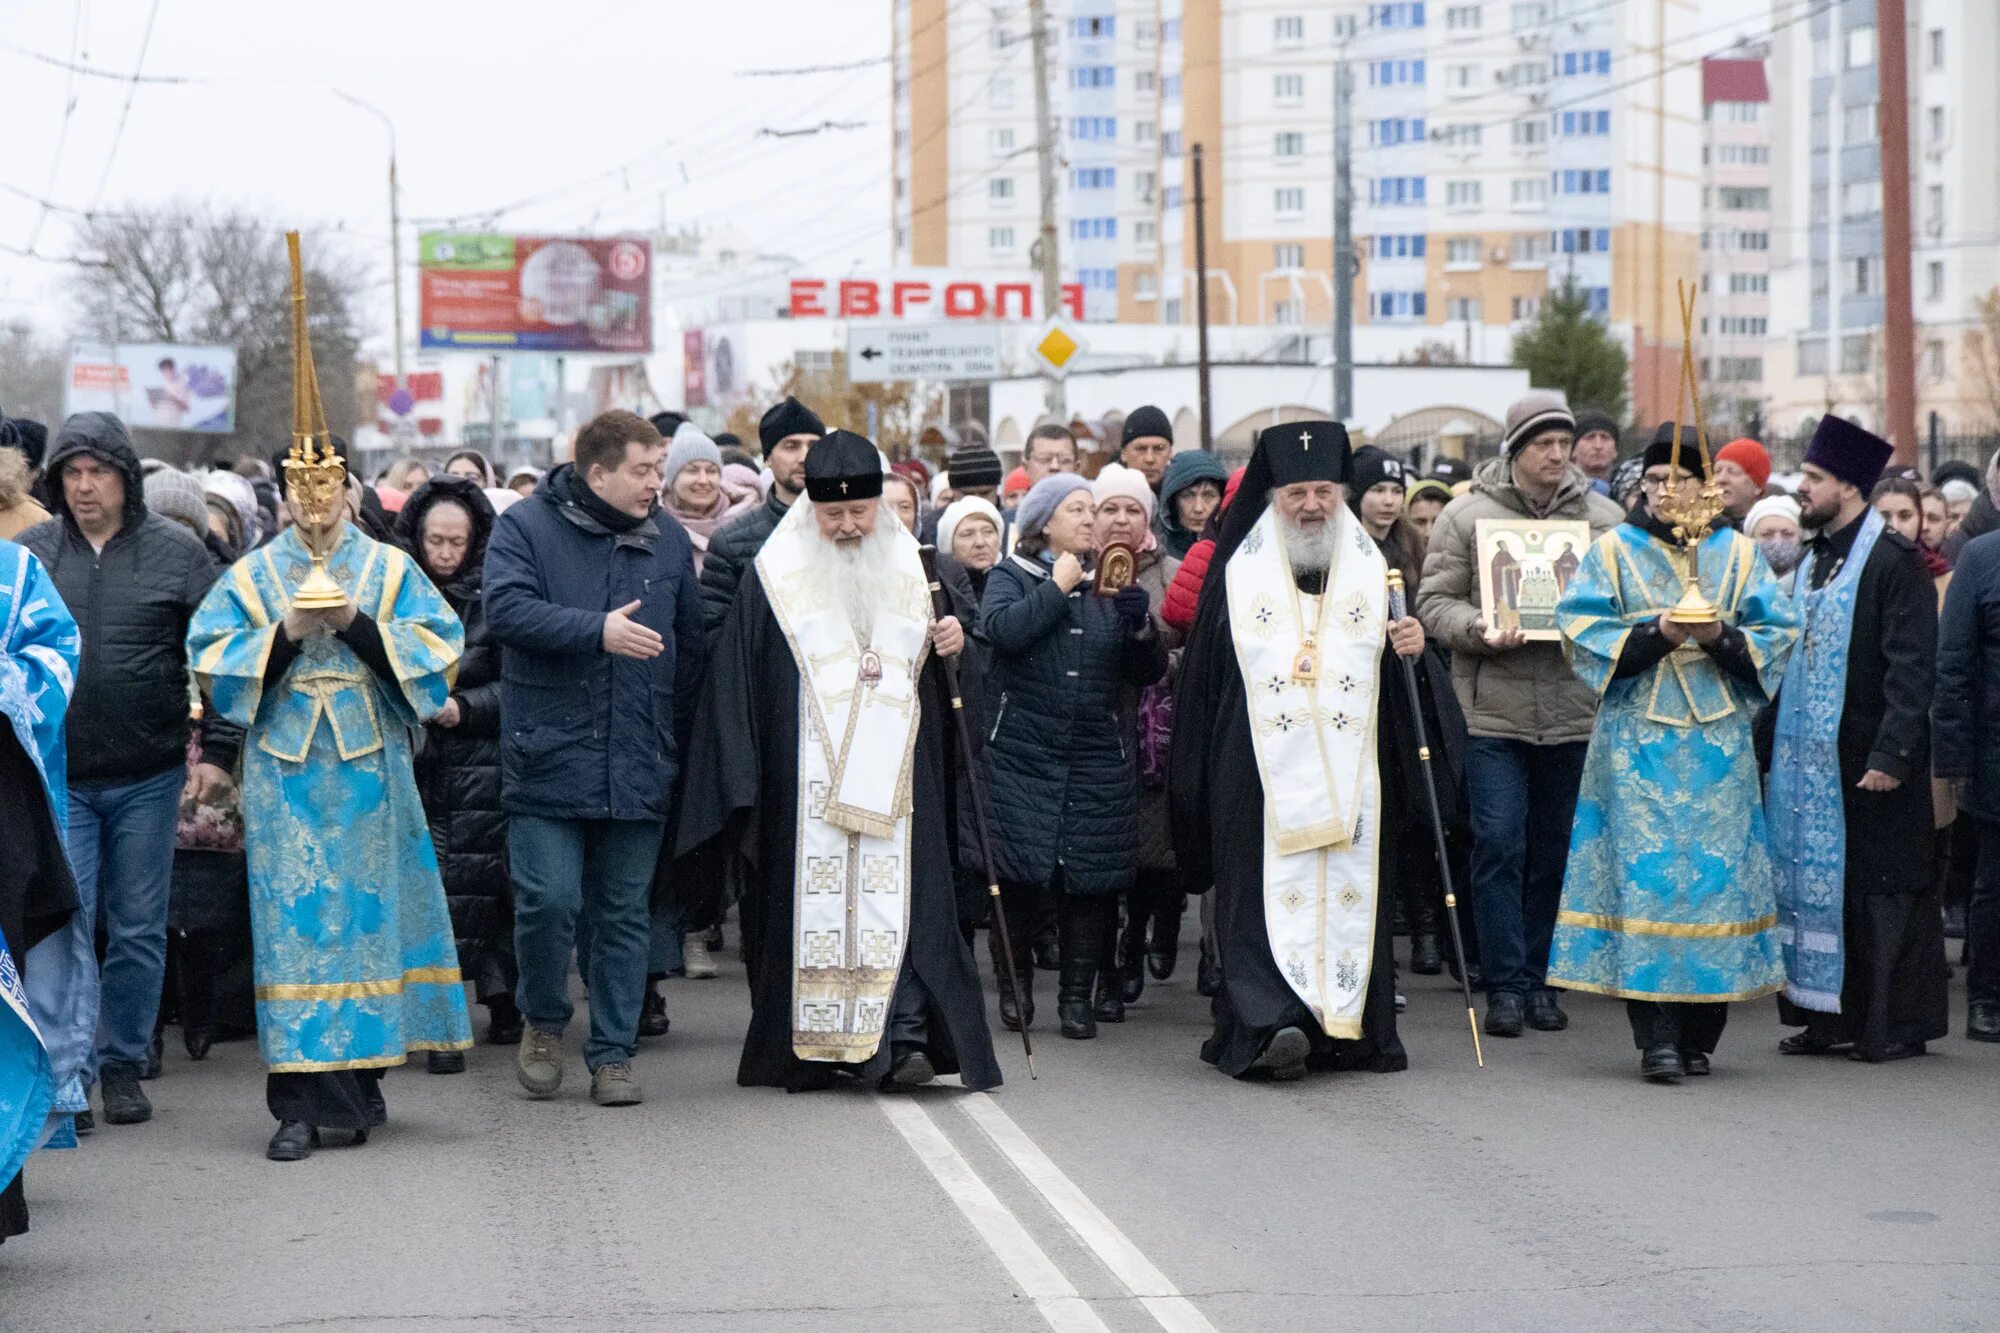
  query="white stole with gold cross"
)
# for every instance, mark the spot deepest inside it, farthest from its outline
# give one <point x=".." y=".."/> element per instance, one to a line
<point x="858" y="715"/>
<point x="1310" y="666"/>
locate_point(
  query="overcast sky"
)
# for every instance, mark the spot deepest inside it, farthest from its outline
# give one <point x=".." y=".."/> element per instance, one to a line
<point x="602" y="114"/>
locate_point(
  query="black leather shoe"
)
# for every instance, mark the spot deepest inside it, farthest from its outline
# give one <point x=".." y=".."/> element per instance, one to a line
<point x="1110" y="1006"/>
<point x="503" y="1028"/>
<point x="1048" y="956"/>
<point x="1207" y="976"/>
<point x="156" y="1056"/>
<point x="1503" y="1014"/>
<point x="1164" y="952"/>
<point x="1805" y="1043"/>
<point x="197" y="1038"/>
<point x="124" y="1102"/>
<point x="1881" y="1055"/>
<point x="1544" y="1014"/>
<point x="714" y="937"/>
<point x="653" y="1020"/>
<point x="84" y="1123"/>
<point x="1425" y="960"/>
<point x="909" y="1068"/>
<point x="1661" y="1064"/>
<point x="1077" y="1021"/>
<point x="1982" y="1021"/>
<point x="1010" y="1017"/>
<point x="445" y="1062"/>
<point x="1284" y="1057"/>
<point x="294" y="1142"/>
<point x="1695" y="1062"/>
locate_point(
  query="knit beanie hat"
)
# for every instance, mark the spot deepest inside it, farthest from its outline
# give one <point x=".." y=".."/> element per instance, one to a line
<point x="1185" y="469"/>
<point x="241" y="496"/>
<point x="973" y="465"/>
<point x="174" y="494"/>
<point x="1778" y="506"/>
<point x="1146" y="422"/>
<point x="790" y="417"/>
<point x="1588" y="423"/>
<point x="1539" y="411"/>
<point x="955" y="513"/>
<point x="691" y="445"/>
<point x="1042" y="499"/>
<point x="1751" y="457"/>
<point x="1115" y="479"/>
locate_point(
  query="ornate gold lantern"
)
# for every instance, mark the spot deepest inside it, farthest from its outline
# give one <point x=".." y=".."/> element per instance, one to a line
<point x="1692" y="511"/>
<point x="315" y="477"/>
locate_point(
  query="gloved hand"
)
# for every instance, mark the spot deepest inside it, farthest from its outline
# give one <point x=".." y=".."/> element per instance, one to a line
<point x="1132" y="604"/>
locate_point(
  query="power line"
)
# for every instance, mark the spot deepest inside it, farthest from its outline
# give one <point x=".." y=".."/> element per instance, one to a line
<point x="76" y="26"/>
<point x="131" y="89"/>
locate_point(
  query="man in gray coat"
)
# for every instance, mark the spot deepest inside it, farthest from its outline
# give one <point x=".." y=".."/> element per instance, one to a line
<point x="1529" y="717"/>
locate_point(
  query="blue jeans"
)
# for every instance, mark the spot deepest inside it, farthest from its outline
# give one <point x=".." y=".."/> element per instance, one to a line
<point x="664" y="957"/>
<point x="563" y="867"/>
<point x="1523" y="805"/>
<point x="121" y="842"/>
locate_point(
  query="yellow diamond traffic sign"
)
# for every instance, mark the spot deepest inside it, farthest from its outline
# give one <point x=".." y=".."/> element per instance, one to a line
<point x="1057" y="348"/>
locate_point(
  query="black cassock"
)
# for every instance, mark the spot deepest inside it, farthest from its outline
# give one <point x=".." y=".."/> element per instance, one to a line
<point x="739" y="789"/>
<point x="1218" y="809"/>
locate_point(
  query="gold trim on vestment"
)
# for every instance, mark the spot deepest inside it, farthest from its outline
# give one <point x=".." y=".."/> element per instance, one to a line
<point x="1629" y="925"/>
<point x="1664" y="997"/>
<point x="361" y="990"/>
<point x="373" y="1062"/>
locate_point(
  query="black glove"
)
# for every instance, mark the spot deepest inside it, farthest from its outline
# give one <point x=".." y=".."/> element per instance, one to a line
<point x="1131" y="603"/>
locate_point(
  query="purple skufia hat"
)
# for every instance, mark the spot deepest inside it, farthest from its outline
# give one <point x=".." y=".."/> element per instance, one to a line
<point x="1848" y="452"/>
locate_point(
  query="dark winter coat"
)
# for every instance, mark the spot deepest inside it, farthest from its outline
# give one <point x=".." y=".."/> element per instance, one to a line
<point x="458" y="768"/>
<point x="587" y="734"/>
<point x="1965" y="709"/>
<point x="1058" y="760"/>
<point x="128" y="718"/>
<point x="730" y="552"/>
<point x="1981" y="517"/>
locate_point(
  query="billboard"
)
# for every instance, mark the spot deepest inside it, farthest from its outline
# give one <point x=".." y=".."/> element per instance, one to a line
<point x="490" y="293"/>
<point x="155" y="386"/>
<point x="928" y="294"/>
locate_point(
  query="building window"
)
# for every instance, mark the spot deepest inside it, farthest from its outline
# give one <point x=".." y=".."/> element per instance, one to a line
<point x="1145" y="285"/>
<point x="1288" y="30"/>
<point x="1461" y="80"/>
<point x="1400" y="247"/>
<point x="1462" y="252"/>
<point x="1288" y="88"/>
<point x="1398" y="305"/>
<point x="1000" y="240"/>
<point x="1462" y="194"/>
<point x="1530" y="192"/>
<point x="1741" y="326"/>
<point x="1861" y="46"/>
<point x="1001" y="38"/>
<point x="1526" y="308"/>
<point x="1093" y="76"/>
<point x="1935" y="118"/>
<point x="1529" y="14"/>
<point x="1000" y="189"/>
<point x="1289" y="202"/>
<point x="1093" y="229"/>
<point x="1464" y="18"/>
<point x="1858" y="124"/>
<point x="1530" y="248"/>
<point x="1748" y="284"/>
<point x="1401" y="14"/>
<point x="1574" y="123"/>
<point x="1581" y="240"/>
<point x="1934" y="280"/>
<point x="1093" y="127"/>
<point x="1093" y="178"/>
<point x="1858" y="199"/>
<point x="1934" y="205"/>
<point x="1530" y="133"/>
<point x="1812" y="356"/>
<point x="902" y="187"/>
<point x="1170" y="88"/>
<point x="1740" y="198"/>
<point x="1573" y="64"/>
<point x="1000" y="91"/>
<point x="1345" y="26"/>
<point x="1389" y="73"/>
<point x="1288" y="144"/>
<point x="1170" y="144"/>
<point x="1582" y="182"/>
<point x="1753" y="240"/>
<point x="1465" y="136"/>
<point x="1936" y="48"/>
<point x="1145" y="32"/>
<point x="1527" y="73"/>
<point x="1399" y="129"/>
<point x="1144" y="80"/>
<point x="1288" y="256"/>
<point x="1860" y="276"/>
<point x="1145" y="234"/>
<point x="1144" y="184"/>
<point x="1466" y="309"/>
<point x="1144" y="131"/>
<point x="1934" y="360"/>
<point x="1093" y="27"/>
<point x="1854" y="354"/>
<point x="1000" y="141"/>
<point x="1396" y="190"/>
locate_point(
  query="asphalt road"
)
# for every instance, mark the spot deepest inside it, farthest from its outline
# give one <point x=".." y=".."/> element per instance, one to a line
<point x="1130" y="1188"/>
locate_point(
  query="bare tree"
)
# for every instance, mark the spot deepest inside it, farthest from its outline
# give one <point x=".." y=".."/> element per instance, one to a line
<point x="31" y="376"/>
<point x="194" y="275"/>
<point x="900" y="411"/>
<point x="1982" y="351"/>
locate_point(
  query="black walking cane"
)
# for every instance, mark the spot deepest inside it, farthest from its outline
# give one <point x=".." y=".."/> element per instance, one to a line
<point x="1397" y="610"/>
<point x="940" y="608"/>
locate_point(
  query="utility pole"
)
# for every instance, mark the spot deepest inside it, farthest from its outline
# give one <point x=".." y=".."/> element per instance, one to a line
<point x="1201" y="296"/>
<point x="1048" y="259"/>
<point x="1343" y="241"/>
<point x="395" y="223"/>
<point x="1899" y="349"/>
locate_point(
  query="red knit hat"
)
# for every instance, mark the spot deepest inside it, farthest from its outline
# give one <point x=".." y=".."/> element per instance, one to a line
<point x="1750" y="456"/>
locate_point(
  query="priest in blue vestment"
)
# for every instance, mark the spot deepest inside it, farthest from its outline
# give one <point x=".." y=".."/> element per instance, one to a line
<point x="1669" y="900"/>
<point x="355" y="961"/>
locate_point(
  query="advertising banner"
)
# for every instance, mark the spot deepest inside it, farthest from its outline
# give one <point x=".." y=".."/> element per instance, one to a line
<point x="490" y="293"/>
<point x="155" y="386"/>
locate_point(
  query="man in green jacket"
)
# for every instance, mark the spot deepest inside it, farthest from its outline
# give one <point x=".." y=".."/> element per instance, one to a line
<point x="1529" y="716"/>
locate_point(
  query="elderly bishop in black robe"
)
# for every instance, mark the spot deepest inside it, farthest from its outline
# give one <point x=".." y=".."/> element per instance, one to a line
<point x="822" y="752"/>
<point x="1277" y="770"/>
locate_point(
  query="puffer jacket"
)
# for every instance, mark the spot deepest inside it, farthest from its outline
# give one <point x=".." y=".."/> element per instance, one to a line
<point x="1058" y="756"/>
<point x="128" y="717"/>
<point x="730" y="552"/>
<point x="458" y="768"/>
<point x="1526" y="693"/>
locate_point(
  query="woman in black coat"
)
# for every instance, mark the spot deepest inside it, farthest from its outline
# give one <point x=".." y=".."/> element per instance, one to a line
<point x="1064" y="789"/>
<point x="445" y="525"/>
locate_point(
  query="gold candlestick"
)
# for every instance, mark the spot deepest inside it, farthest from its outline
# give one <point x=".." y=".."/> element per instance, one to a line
<point x="1692" y="511"/>
<point x="315" y="476"/>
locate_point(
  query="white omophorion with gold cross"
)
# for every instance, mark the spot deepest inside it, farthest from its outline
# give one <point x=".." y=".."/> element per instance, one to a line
<point x="859" y="711"/>
<point x="1310" y="665"/>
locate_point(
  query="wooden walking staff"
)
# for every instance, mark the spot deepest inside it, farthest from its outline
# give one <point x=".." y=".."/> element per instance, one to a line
<point x="1398" y="608"/>
<point x="940" y="608"/>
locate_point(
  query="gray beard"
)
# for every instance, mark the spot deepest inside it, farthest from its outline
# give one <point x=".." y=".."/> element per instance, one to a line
<point x="863" y="575"/>
<point x="1309" y="550"/>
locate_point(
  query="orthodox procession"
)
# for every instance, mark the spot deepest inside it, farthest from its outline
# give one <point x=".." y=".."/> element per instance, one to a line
<point x="1315" y="665"/>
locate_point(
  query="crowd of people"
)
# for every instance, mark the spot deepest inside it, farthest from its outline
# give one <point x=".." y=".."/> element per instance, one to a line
<point x="571" y="721"/>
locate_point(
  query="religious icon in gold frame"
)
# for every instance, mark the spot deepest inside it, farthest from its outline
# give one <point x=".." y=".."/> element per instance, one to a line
<point x="1524" y="566"/>
<point x="1117" y="567"/>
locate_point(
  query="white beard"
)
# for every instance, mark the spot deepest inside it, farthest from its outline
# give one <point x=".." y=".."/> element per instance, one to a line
<point x="863" y="575"/>
<point x="1309" y="550"/>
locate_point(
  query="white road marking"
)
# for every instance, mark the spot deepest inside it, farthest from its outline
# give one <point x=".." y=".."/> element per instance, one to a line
<point x="1134" y="1271"/>
<point x="1030" y="1267"/>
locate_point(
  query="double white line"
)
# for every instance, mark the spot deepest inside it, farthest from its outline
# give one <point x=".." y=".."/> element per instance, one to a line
<point x="1027" y="1263"/>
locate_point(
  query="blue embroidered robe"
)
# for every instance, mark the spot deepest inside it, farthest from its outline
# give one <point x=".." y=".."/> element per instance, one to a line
<point x="355" y="962"/>
<point x="1669" y="893"/>
<point x="39" y="648"/>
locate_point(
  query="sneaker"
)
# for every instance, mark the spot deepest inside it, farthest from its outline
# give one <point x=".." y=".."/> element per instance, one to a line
<point x="124" y="1101"/>
<point x="613" y="1085"/>
<point x="539" y="1065"/>
<point x="694" y="953"/>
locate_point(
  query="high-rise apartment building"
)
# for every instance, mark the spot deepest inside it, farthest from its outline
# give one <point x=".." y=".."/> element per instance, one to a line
<point x="1827" y="346"/>
<point x="1498" y="146"/>
<point x="1735" y="239"/>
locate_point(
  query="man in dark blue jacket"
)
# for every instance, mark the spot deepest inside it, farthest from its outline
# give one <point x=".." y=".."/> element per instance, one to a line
<point x="591" y="591"/>
<point x="1965" y="740"/>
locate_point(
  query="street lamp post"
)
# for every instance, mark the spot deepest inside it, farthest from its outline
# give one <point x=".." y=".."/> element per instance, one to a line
<point x="395" y="224"/>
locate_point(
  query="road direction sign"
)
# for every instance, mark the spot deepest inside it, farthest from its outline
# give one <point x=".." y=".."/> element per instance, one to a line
<point x="886" y="353"/>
